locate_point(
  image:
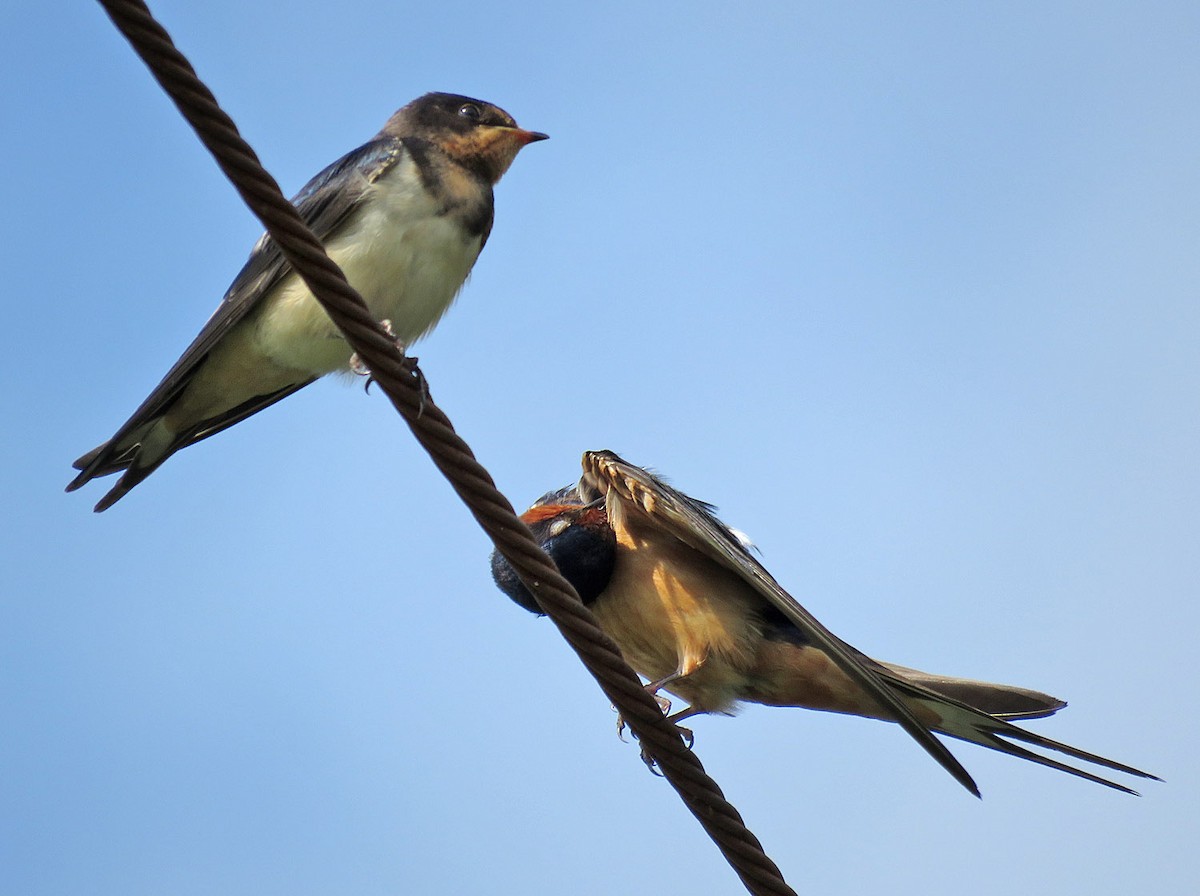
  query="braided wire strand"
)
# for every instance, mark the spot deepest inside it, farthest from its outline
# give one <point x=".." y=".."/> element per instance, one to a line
<point x="405" y="388"/>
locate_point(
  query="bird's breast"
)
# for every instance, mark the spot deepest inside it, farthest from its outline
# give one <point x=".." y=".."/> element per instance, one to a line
<point x="405" y="257"/>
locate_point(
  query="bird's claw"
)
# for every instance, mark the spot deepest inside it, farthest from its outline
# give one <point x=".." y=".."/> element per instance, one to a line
<point x="688" y="740"/>
<point x="359" y="368"/>
<point x="651" y="763"/>
<point x="688" y="736"/>
<point x="413" y="369"/>
<point x="410" y="365"/>
<point x="664" y="706"/>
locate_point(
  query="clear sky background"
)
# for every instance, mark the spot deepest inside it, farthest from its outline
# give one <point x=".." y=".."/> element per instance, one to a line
<point x="909" y="291"/>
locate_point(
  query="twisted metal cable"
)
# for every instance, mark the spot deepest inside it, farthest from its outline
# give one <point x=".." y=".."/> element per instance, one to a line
<point x="399" y="379"/>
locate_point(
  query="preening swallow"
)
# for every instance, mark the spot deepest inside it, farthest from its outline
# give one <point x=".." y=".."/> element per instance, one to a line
<point x="404" y="215"/>
<point x="696" y="614"/>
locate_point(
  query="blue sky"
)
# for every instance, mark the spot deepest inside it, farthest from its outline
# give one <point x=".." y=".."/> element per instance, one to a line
<point x="909" y="292"/>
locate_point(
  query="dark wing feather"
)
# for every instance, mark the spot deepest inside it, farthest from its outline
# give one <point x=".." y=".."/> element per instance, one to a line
<point x="324" y="203"/>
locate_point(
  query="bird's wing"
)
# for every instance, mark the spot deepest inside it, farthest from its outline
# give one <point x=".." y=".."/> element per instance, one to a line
<point x="693" y="523"/>
<point x="893" y="687"/>
<point x="325" y="203"/>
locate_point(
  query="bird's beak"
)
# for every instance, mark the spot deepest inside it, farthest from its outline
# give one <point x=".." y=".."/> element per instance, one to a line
<point x="525" y="137"/>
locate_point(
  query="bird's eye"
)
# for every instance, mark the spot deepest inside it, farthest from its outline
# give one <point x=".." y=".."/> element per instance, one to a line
<point x="470" y="111"/>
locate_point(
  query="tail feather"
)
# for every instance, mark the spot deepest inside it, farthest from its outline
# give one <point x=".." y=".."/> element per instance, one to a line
<point x="134" y="474"/>
<point x="82" y="463"/>
<point x="144" y="443"/>
<point x="138" y="454"/>
<point x="1003" y="701"/>
<point x="959" y="720"/>
<point x="103" y="460"/>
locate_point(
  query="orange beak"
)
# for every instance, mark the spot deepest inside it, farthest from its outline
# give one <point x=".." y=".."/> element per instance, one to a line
<point x="526" y="137"/>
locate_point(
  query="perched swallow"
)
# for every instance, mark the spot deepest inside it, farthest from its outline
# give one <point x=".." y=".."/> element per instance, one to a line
<point x="693" y="612"/>
<point x="405" y="216"/>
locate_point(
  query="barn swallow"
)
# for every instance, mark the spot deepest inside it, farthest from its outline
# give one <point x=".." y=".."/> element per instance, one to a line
<point x="695" y="613"/>
<point x="404" y="215"/>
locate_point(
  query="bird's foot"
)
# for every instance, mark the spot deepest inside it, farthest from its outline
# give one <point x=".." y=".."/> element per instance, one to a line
<point x="650" y="763"/>
<point x="412" y="368"/>
<point x="688" y="740"/>
<point x="688" y="736"/>
<point x="663" y="704"/>
<point x="359" y="367"/>
<point x="621" y="726"/>
<point x="410" y="365"/>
